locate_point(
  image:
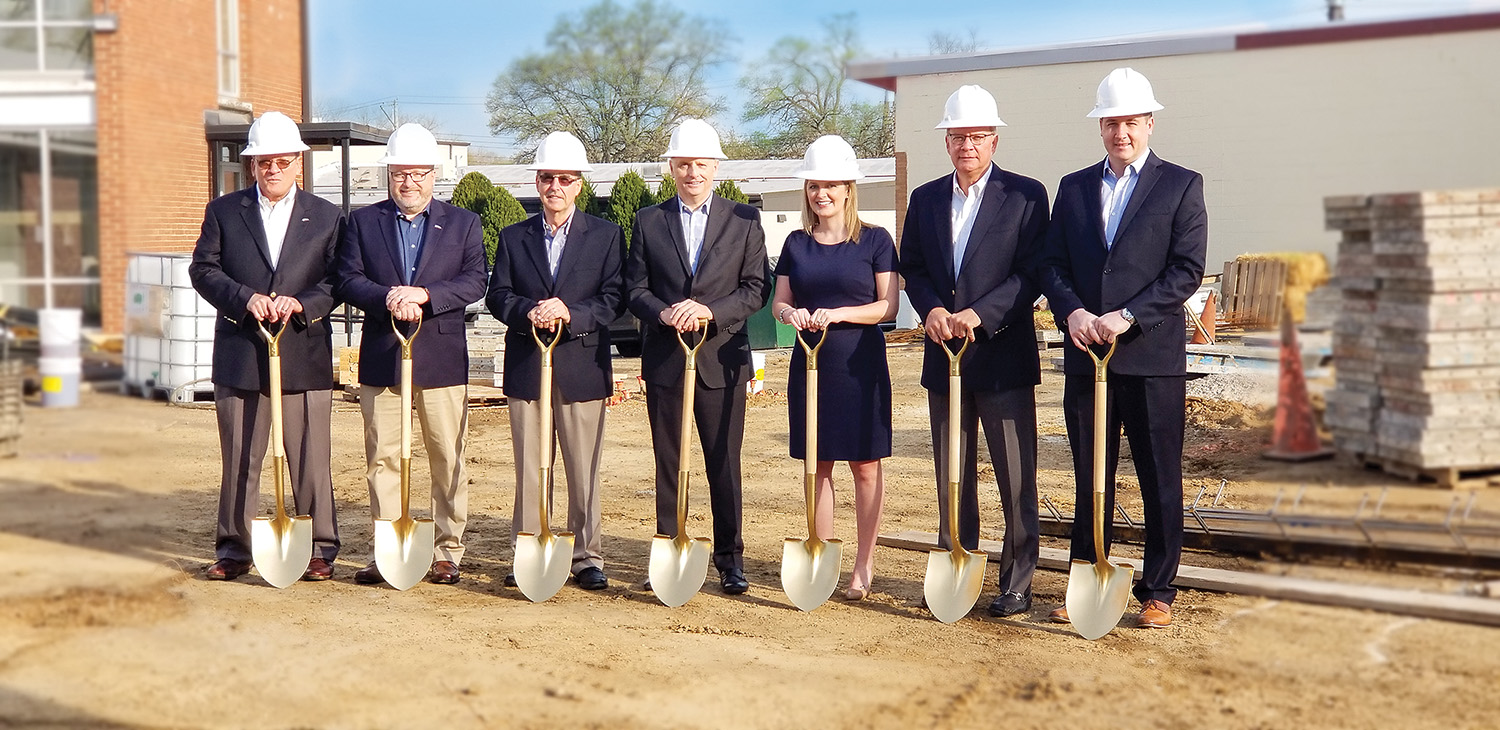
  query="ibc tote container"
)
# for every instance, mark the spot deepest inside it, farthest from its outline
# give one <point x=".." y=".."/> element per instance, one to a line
<point x="169" y="328"/>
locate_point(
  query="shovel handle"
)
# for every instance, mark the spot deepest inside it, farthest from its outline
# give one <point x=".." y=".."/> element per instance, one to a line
<point x="810" y="441"/>
<point x="1101" y="417"/>
<point x="689" y="389"/>
<point x="544" y="426"/>
<point x="955" y="407"/>
<point x="278" y="438"/>
<point x="406" y="398"/>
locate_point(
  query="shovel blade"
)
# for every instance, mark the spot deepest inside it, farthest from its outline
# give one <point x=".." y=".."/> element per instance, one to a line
<point x="678" y="572"/>
<point x="542" y="565"/>
<point x="1097" y="596"/>
<point x="403" y="551"/>
<point x="954" y="580"/>
<point x="810" y="571"/>
<point x="281" y="548"/>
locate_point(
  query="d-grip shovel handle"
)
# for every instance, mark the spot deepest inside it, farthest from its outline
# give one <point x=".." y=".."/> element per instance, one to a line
<point x="278" y="438"/>
<point x="810" y="450"/>
<point x="955" y="403"/>
<point x="406" y="394"/>
<point x="544" y="425"/>
<point x="1101" y="414"/>
<point x="689" y="388"/>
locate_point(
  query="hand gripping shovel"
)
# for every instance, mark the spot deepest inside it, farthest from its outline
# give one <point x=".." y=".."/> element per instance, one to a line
<point x="1098" y="592"/>
<point x="543" y="558"/>
<point x="679" y="565"/>
<point x="810" y="568"/>
<point x="954" y="576"/>
<point x="403" y="546"/>
<point x="281" y="545"/>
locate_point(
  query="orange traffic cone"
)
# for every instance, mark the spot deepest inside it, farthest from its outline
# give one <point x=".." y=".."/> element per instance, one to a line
<point x="1204" y="334"/>
<point x="1295" y="436"/>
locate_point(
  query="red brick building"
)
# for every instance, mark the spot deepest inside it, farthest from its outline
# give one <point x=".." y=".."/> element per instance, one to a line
<point x="127" y="89"/>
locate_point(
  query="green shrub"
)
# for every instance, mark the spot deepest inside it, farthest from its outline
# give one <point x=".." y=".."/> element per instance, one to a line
<point x="501" y="209"/>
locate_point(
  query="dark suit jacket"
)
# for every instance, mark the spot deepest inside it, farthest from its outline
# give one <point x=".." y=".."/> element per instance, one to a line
<point x="451" y="268"/>
<point x="1154" y="266"/>
<point x="995" y="278"/>
<point x="232" y="261"/>
<point x="732" y="280"/>
<point x="590" y="280"/>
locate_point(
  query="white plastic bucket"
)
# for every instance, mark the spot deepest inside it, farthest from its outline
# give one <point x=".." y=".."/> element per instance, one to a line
<point x="59" y="331"/>
<point x="60" y="378"/>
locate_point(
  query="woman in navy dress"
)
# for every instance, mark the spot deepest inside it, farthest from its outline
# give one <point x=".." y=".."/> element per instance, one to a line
<point x="837" y="276"/>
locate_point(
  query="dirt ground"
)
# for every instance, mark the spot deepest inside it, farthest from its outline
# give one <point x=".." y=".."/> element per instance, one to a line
<point x="106" y="522"/>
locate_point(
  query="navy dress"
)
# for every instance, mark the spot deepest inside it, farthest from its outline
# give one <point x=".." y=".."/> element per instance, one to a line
<point x="854" y="381"/>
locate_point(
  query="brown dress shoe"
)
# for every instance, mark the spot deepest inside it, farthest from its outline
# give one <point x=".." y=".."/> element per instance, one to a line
<point x="444" y="572"/>
<point x="227" y="569"/>
<point x="318" y="569"/>
<point x="1059" y="615"/>
<point x="1154" y="615"/>
<point x="369" y="575"/>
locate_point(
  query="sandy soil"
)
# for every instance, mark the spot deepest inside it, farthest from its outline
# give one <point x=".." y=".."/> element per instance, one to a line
<point x="105" y="621"/>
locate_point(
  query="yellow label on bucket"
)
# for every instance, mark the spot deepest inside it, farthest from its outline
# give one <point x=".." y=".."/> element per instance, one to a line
<point x="52" y="384"/>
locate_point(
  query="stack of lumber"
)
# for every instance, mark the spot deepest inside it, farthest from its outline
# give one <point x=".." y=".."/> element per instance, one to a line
<point x="486" y="337"/>
<point x="1417" y="339"/>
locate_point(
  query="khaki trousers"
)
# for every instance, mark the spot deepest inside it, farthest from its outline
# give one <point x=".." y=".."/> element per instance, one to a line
<point x="580" y="434"/>
<point x="444" y="416"/>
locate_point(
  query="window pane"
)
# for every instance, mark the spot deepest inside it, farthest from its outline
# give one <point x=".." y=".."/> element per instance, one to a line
<point x="228" y="23"/>
<point x="18" y="49"/>
<point x="229" y="76"/>
<point x="69" y="49"/>
<point x="75" y="204"/>
<point x="20" y="211"/>
<point x="17" y="9"/>
<point x="68" y="9"/>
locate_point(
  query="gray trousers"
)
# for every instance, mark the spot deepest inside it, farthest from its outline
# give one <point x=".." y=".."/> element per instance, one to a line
<point x="1009" y="420"/>
<point x="244" y="431"/>
<point x="579" y="428"/>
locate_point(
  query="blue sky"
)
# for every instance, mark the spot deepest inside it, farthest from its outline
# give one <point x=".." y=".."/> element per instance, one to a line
<point x="450" y="51"/>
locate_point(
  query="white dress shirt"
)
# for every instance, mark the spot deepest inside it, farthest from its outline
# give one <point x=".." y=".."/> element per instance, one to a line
<point x="961" y="217"/>
<point x="555" y="239"/>
<point x="694" y="228"/>
<point x="275" y="217"/>
<point x="1114" y="195"/>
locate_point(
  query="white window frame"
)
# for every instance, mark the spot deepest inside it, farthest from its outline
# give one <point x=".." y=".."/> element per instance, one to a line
<point x="228" y="29"/>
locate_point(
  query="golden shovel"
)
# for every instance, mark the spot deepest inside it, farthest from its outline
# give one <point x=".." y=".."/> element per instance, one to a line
<point x="403" y="546"/>
<point x="954" y="576"/>
<point x="543" y="558"/>
<point x="679" y="564"/>
<point x="280" y="545"/>
<point x="1098" y="592"/>
<point x="810" y="568"/>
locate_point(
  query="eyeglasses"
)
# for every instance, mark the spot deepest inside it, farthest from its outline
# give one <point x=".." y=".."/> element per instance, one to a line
<point x="410" y="175"/>
<point x="974" y="138"/>
<point x="281" y="163"/>
<point x="546" y="178"/>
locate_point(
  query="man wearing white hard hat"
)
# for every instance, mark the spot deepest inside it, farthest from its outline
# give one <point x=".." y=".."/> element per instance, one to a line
<point x="415" y="259"/>
<point x="1125" y="251"/>
<point x="698" y="256"/>
<point x="560" y="271"/>
<point x="266" y="255"/>
<point x="967" y="249"/>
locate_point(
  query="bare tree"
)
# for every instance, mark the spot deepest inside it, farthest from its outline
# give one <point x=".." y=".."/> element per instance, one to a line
<point x="943" y="42"/>
<point x="618" y="78"/>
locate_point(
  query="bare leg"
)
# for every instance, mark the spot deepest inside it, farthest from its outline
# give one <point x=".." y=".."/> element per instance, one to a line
<point x="823" y="501"/>
<point x="869" y="495"/>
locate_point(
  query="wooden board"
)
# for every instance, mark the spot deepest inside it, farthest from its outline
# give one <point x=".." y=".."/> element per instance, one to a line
<point x="1466" y="609"/>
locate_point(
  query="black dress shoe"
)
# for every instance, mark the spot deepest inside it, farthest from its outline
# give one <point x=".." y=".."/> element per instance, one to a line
<point x="510" y="580"/>
<point x="318" y="569"/>
<point x="733" y="582"/>
<point x="591" y="579"/>
<point x="369" y="575"/>
<point x="1010" y="604"/>
<point x="227" y="569"/>
<point x="444" y="572"/>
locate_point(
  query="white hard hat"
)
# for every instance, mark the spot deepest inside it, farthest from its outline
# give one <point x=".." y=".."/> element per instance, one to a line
<point x="970" y="106"/>
<point x="561" y="151"/>
<point x="1124" y="93"/>
<point x="830" y="158"/>
<point x="273" y="133"/>
<point x="694" y="138"/>
<point x="411" y="144"/>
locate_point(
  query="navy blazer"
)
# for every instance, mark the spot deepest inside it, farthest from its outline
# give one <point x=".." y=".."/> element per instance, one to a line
<point x="1155" y="265"/>
<point x="451" y="269"/>
<point x="733" y="281"/>
<point x="995" y="279"/>
<point x="589" y="279"/>
<point x="232" y="261"/>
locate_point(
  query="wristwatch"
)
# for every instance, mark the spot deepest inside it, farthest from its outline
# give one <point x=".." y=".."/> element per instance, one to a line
<point x="1129" y="318"/>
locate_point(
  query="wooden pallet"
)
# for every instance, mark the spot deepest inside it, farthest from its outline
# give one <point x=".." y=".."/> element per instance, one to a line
<point x="1252" y="292"/>
<point x="1449" y="477"/>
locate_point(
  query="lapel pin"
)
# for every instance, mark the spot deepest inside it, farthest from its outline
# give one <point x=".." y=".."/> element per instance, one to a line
<point x="304" y="220"/>
<point x="437" y="226"/>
